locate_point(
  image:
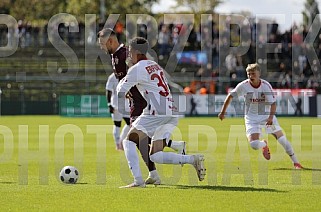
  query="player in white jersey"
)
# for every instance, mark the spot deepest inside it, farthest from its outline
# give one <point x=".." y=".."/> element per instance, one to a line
<point x="121" y="62"/>
<point x="159" y="118"/>
<point x="260" y="107"/>
<point x="112" y="100"/>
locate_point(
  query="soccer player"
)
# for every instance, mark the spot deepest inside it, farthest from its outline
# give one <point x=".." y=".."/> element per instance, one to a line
<point x="112" y="100"/>
<point x="119" y="53"/>
<point x="260" y="107"/>
<point x="158" y="119"/>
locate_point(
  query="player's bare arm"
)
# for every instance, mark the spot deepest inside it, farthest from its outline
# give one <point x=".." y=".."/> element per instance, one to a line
<point x="269" y="121"/>
<point x="227" y="101"/>
<point x="126" y="83"/>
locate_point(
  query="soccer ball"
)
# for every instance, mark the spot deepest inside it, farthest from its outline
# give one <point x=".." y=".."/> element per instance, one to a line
<point x="69" y="175"/>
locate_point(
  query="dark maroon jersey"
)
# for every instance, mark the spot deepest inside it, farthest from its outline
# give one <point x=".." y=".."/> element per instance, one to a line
<point x="137" y="101"/>
<point x="118" y="60"/>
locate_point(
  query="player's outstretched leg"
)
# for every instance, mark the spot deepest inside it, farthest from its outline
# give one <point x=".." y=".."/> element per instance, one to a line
<point x="179" y="146"/>
<point x="173" y="158"/>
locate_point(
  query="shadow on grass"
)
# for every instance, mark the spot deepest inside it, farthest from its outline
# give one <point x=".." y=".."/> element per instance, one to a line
<point x="73" y="184"/>
<point x="8" y="182"/>
<point x="223" y="188"/>
<point x="291" y="169"/>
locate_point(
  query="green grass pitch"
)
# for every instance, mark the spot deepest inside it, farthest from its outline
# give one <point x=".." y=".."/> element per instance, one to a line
<point x="34" y="148"/>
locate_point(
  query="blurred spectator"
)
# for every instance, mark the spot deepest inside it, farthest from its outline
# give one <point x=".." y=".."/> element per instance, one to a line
<point x="187" y="90"/>
<point x="119" y="29"/>
<point x="230" y="63"/>
<point x="209" y="37"/>
<point x="297" y="41"/>
<point x="298" y="109"/>
<point x="193" y="107"/>
<point x="163" y="42"/>
<point x="203" y="91"/>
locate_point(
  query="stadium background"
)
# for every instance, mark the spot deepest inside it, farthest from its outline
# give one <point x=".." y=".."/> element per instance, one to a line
<point x="34" y="148"/>
<point x="206" y="65"/>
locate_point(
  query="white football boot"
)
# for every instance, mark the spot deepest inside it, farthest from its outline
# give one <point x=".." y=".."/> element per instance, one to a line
<point x="153" y="180"/>
<point x="199" y="166"/>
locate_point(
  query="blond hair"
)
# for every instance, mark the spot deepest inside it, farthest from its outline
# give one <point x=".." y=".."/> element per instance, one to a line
<point x="253" y="67"/>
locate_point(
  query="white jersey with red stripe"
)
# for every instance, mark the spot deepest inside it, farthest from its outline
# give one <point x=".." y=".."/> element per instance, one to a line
<point x="149" y="78"/>
<point x="258" y="99"/>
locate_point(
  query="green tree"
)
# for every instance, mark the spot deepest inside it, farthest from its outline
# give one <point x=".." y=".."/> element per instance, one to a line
<point x="311" y="9"/>
<point x="43" y="10"/>
<point x="79" y="8"/>
<point x="36" y="10"/>
<point x="200" y="6"/>
<point x="4" y="6"/>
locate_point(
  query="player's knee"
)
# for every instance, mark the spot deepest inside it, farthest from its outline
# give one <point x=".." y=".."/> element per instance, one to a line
<point x="157" y="146"/>
<point x="133" y="136"/>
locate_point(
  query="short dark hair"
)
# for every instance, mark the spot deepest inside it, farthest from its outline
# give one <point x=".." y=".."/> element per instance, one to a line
<point x="106" y="32"/>
<point x="140" y="44"/>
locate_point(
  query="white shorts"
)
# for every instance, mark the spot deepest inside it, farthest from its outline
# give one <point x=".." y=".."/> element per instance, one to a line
<point x="156" y="127"/>
<point x="117" y="116"/>
<point x="257" y="126"/>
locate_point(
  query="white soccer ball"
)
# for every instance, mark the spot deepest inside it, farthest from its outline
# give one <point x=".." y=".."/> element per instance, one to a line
<point x="69" y="175"/>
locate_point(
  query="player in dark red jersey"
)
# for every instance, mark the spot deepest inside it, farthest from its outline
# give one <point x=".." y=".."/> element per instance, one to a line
<point x="108" y="41"/>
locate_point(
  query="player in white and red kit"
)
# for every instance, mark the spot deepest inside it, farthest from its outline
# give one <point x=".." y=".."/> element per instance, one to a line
<point x="119" y="54"/>
<point x="158" y="119"/>
<point x="260" y="107"/>
<point x="112" y="99"/>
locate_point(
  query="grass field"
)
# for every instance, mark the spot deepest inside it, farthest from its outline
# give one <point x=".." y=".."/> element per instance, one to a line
<point x="238" y="177"/>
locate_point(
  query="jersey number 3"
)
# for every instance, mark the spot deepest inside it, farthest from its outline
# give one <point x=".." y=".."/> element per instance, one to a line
<point x="161" y="83"/>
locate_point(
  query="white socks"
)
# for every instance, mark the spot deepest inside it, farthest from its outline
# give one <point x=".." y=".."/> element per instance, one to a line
<point x="133" y="161"/>
<point x="288" y="148"/>
<point x="257" y="144"/>
<point x="116" y="132"/>
<point x="175" y="145"/>
<point x="123" y="133"/>
<point x="171" y="158"/>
